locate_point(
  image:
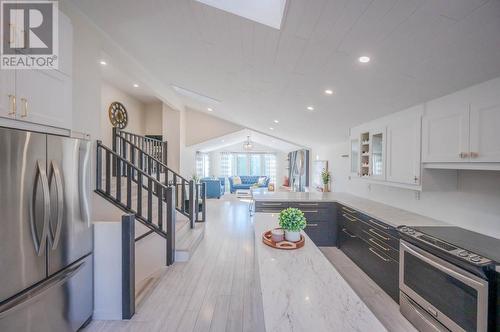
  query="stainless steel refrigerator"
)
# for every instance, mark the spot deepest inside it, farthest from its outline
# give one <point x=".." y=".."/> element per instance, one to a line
<point x="46" y="238"/>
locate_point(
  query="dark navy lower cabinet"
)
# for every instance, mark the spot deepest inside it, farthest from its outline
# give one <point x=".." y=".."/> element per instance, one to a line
<point x="373" y="248"/>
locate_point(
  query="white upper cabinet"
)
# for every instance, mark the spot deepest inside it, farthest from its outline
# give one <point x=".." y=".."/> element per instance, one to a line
<point x="485" y="131"/>
<point x="403" y="147"/>
<point x="44" y="97"/>
<point x="446" y="135"/>
<point x="7" y="93"/>
<point x="462" y="130"/>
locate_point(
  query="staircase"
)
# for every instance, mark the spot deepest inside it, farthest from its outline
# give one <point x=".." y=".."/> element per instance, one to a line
<point x="134" y="177"/>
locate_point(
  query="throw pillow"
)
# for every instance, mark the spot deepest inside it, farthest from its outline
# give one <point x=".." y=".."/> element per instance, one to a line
<point x="236" y="180"/>
<point x="262" y="181"/>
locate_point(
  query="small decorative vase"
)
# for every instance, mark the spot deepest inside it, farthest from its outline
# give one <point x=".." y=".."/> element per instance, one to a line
<point x="292" y="236"/>
<point x="277" y="235"/>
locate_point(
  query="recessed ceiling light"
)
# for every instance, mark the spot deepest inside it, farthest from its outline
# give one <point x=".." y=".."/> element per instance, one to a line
<point x="209" y="109"/>
<point x="329" y="92"/>
<point x="136" y="85"/>
<point x="102" y="62"/>
<point x="276" y="121"/>
<point x="271" y="128"/>
<point x="222" y="141"/>
<point x="310" y="108"/>
<point x="364" y="59"/>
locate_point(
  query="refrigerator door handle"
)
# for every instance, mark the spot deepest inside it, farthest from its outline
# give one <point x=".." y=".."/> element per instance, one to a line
<point x="34" y="294"/>
<point x="56" y="175"/>
<point x="83" y="179"/>
<point x="40" y="176"/>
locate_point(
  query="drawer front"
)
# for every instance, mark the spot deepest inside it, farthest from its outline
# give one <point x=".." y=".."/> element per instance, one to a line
<point x="380" y="246"/>
<point x="312" y="205"/>
<point x="273" y="205"/>
<point x="377" y="224"/>
<point x="318" y="215"/>
<point x="321" y="233"/>
<point x="383" y="270"/>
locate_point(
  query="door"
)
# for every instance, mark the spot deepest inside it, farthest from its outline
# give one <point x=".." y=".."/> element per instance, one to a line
<point x="445" y="135"/>
<point x="44" y="97"/>
<point x="403" y="150"/>
<point x="484" y="131"/>
<point x="63" y="302"/>
<point x="377" y="153"/>
<point x="7" y="93"/>
<point x="69" y="175"/>
<point x="24" y="207"/>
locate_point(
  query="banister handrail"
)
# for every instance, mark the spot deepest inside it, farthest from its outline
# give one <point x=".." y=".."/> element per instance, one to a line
<point x="126" y="162"/>
<point x="154" y="158"/>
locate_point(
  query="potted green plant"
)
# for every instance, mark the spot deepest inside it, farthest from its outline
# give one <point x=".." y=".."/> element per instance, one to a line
<point x="292" y="220"/>
<point x="325" y="176"/>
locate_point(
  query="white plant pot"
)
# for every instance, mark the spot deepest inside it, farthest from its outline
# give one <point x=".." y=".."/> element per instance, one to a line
<point x="292" y="236"/>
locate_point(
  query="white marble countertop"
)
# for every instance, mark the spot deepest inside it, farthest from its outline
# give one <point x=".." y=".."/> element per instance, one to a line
<point x="302" y="290"/>
<point x="385" y="213"/>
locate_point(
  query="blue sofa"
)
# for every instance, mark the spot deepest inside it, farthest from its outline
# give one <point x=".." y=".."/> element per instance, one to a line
<point x="246" y="183"/>
<point x="215" y="187"/>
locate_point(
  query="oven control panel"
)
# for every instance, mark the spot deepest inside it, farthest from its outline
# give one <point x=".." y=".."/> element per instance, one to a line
<point x="463" y="254"/>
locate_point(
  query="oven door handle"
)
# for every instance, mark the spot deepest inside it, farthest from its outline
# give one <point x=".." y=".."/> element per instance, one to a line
<point x="463" y="276"/>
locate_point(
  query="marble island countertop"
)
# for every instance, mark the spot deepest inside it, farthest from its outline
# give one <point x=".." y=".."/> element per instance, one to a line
<point x="302" y="290"/>
<point x="385" y="213"/>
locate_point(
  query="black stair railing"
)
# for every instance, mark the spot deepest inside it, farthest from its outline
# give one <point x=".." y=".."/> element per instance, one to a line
<point x="120" y="190"/>
<point x="190" y="197"/>
<point x="153" y="147"/>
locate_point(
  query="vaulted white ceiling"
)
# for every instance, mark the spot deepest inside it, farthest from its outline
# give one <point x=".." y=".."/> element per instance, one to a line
<point x="420" y="50"/>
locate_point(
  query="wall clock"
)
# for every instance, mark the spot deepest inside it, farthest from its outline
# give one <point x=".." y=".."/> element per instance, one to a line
<point x="118" y="115"/>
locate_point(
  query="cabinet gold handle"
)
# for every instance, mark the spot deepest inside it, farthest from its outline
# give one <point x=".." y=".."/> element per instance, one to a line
<point x="310" y="211"/>
<point x="25" y="102"/>
<point x="12" y="100"/>
<point x="378" y="255"/>
<point x="379" y="224"/>
<point x="347" y="217"/>
<point x="378" y="245"/>
<point x="349" y="234"/>
<point x="371" y="230"/>
<point x="312" y="225"/>
<point x="348" y="210"/>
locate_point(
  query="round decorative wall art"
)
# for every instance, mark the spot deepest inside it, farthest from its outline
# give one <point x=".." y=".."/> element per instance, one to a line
<point x="118" y="115"/>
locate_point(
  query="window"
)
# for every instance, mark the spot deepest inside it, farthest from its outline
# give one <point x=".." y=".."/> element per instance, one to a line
<point x="202" y="164"/>
<point x="248" y="164"/>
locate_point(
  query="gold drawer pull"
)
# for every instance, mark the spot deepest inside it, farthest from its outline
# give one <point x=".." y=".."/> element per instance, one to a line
<point x="349" y="234"/>
<point x="371" y="230"/>
<point x="272" y="204"/>
<point x="312" y="225"/>
<point x="25" y="102"/>
<point x="378" y="245"/>
<point x="310" y="211"/>
<point x="378" y="255"/>
<point x="348" y="218"/>
<point x="12" y="100"/>
<point x="348" y="210"/>
<point x="308" y="204"/>
<point x="377" y="223"/>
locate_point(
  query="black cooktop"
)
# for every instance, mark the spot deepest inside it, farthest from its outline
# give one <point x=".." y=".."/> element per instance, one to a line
<point x="480" y="244"/>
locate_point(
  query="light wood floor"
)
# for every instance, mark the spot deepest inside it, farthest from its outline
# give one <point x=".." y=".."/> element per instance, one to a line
<point x="217" y="290"/>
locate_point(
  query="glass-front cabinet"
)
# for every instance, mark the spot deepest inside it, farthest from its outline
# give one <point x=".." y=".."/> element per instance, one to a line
<point x="368" y="154"/>
<point x="377" y="162"/>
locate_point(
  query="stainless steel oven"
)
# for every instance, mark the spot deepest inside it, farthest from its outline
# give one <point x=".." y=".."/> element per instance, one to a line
<point x="437" y="295"/>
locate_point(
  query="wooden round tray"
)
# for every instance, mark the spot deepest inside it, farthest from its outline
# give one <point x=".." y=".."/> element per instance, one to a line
<point x="286" y="245"/>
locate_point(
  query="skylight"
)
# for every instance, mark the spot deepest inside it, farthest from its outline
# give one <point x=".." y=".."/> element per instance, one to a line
<point x="268" y="12"/>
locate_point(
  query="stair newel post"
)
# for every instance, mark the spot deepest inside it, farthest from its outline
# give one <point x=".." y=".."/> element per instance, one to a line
<point x="114" y="142"/>
<point x="170" y="225"/>
<point x="98" y="172"/>
<point x="197" y="201"/>
<point x="164" y="152"/>
<point x="192" y="214"/>
<point x="203" y="201"/>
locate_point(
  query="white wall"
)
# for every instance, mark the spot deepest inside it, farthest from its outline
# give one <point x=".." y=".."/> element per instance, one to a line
<point x="201" y="127"/>
<point x="469" y="199"/>
<point x="153" y="118"/>
<point x="172" y="133"/>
